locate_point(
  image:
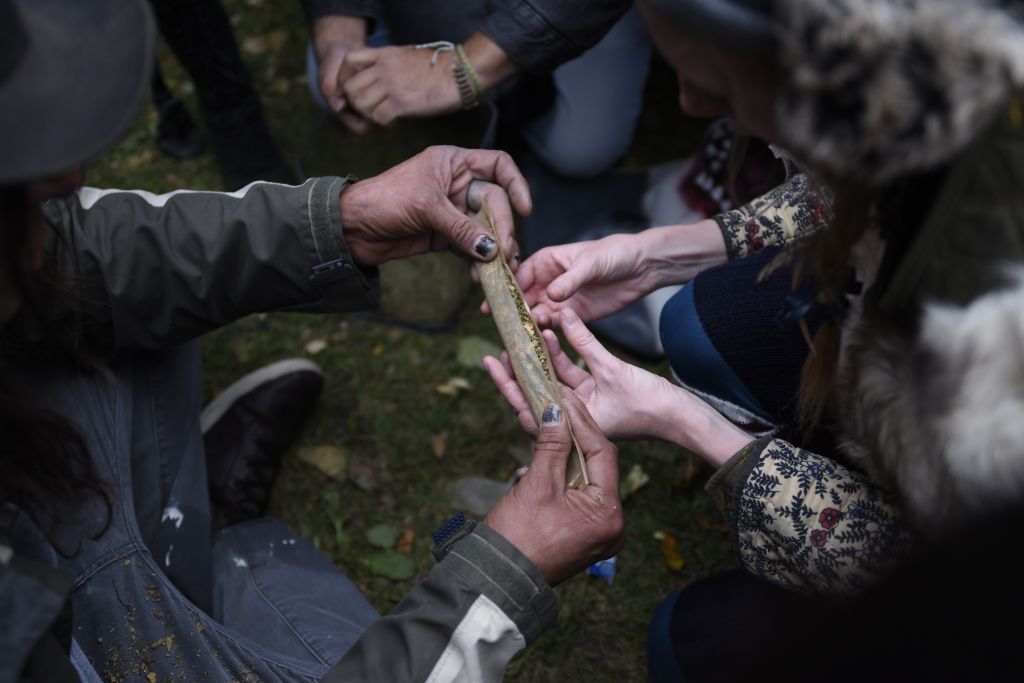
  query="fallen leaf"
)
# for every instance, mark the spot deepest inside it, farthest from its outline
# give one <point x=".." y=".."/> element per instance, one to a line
<point x="151" y="677"/>
<point x="473" y="349"/>
<point x="277" y="38"/>
<point x="686" y="474"/>
<point x="391" y="565"/>
<point x="382" y="535"/>
<point x="377" y="349"/>
<point x="254" y="45"/>
<point x="330" y="460"/>
<point x="634" y="481"/>
<point x="439" y="444"/>
<point x="453" y="386"/>
<point x="670" y="549"/>
<point x="404" y="545"/>
<point x="363" y="475"/>
<point x="241" y="352"/>
<point x="316" y="346"/>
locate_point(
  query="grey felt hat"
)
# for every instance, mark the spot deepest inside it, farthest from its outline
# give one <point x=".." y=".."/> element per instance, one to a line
<point x="73" y="76"/>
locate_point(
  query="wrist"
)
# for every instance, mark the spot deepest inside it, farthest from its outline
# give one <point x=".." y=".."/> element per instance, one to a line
<point x="491" y="64"/>
<point x="689" y="422"/>
<point x="354" y="211"/>
<point x="675" y="254"/>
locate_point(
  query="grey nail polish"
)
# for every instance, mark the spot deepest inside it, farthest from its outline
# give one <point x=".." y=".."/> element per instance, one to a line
<point x="552" y="415"/>
<point x="485" y="245"/>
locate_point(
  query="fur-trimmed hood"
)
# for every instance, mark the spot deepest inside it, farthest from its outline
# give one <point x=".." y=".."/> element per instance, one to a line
<point x="941" y="417"/>
<point x="875" y="89"/>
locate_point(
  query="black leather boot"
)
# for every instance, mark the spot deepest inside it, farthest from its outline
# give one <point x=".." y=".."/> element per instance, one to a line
<point x="248" y="428"/>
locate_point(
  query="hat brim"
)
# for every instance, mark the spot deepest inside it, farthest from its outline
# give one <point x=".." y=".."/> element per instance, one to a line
<point x="77" y="88"/>
<point x="744" y="25"/>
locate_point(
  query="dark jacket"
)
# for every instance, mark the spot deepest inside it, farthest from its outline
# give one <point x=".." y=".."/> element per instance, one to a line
<point x="538" y="35"/>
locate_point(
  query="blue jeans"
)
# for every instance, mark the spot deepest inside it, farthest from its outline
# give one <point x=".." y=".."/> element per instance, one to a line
<point x="152" y="593"/>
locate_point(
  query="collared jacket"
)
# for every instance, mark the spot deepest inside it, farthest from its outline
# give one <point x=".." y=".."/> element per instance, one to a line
<point x="538" y="35"/>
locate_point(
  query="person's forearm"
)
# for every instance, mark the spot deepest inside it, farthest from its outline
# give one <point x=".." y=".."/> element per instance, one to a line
<point x="675" y="254"/>
<point x="679" y="417"/>
<point x="338" y="30"/>
<point x="162" y="269"/>
<point x="479" y="607"/>
<point x="491" y="63"/>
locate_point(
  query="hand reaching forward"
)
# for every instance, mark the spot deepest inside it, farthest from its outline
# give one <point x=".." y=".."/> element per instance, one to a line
<point x="564" y="531"/>
<point x="626" y="401"/>
<point x="601" y="277"/>
<point x="620" y="396"/>
<point x="595" y="278"/>
<point x="421" y="205"/>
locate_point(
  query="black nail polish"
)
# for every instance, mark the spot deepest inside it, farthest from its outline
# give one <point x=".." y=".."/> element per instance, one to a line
<point x="484" y="246"/>
<point x="552" y="415"/>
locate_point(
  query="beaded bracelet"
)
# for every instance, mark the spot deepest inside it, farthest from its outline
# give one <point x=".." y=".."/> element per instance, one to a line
<point x="466" y="80"/>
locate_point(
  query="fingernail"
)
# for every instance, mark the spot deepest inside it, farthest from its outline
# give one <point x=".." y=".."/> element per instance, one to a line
<point x="552" y="415"/>
<point x="521" y="472"/>
<point x="569" y="317"/>
<point x="484" y="245"/>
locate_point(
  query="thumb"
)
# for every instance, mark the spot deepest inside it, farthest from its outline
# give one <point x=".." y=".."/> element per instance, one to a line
<point x="359" y="59"/>
<point x="552" y="447"/>
<point x="465" y="234"/>
<point x="566" y="284"/>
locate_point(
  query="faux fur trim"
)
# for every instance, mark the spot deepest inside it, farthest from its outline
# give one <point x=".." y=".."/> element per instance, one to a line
<point x="878" y="88"/>
<point x="941" y="418"/>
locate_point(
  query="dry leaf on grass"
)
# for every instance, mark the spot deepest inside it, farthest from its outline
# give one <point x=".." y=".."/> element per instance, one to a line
<point x="670" y="549"/>
<point x="316" y="346"/>
<point x="634" y="481"/>
<point x="439" y="444"/>
<point x="404" y="545"/>
<point x="330" y="460"/>
<point x="453" y="386"/>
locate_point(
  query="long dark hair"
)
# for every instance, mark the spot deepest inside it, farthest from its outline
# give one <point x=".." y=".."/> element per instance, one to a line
<point x="45" y="467"/>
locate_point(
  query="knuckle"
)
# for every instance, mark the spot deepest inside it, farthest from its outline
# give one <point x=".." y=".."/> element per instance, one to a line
<point x="613" y="529"/>
<point x="461" y="231"/>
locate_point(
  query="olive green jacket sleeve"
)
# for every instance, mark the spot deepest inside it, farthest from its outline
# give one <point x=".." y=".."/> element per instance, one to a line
<point x="792" y="211"/>
<point x="805" y="522"/>
<point x="479" y="607"/>
<point x="148" y="271"/>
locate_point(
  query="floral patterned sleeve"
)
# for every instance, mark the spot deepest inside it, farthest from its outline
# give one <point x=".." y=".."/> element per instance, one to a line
<point x="790" y="212"/>
<point x="805" y="522"/>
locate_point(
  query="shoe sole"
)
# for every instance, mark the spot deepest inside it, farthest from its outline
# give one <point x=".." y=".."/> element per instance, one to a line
<point x="220" y="405"/>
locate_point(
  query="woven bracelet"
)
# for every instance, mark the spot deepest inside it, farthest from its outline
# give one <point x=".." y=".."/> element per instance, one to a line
<point x="466" y="80"/>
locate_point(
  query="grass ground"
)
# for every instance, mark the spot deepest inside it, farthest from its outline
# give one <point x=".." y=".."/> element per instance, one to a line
<point x="382" y="408"/>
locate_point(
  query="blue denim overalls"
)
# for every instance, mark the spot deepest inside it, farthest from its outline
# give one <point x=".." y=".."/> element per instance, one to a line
<point x="153" y="599"/>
